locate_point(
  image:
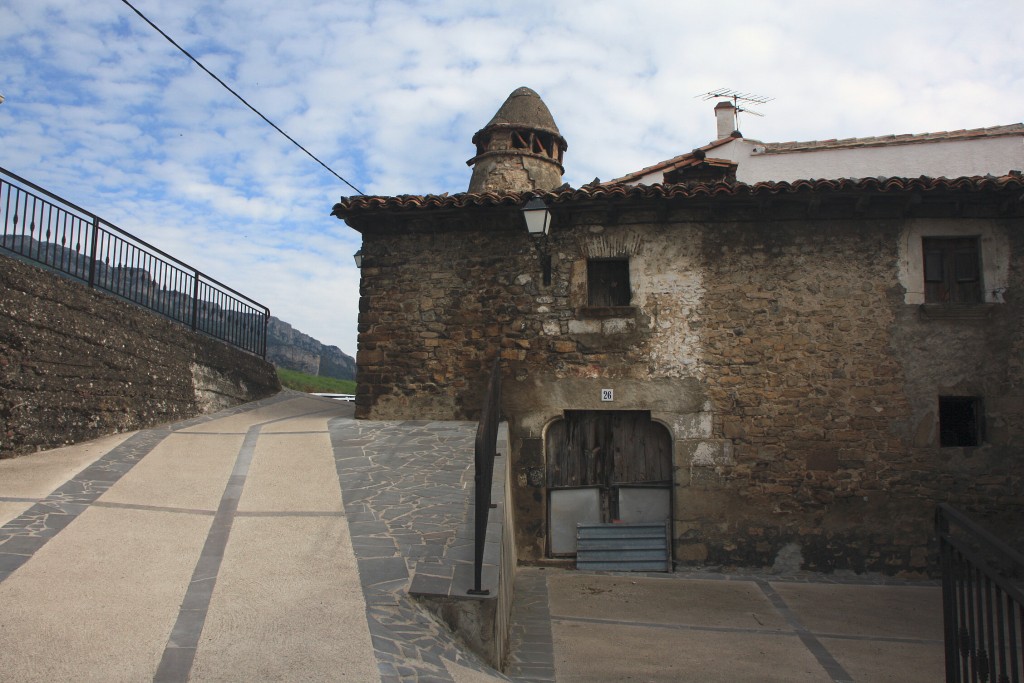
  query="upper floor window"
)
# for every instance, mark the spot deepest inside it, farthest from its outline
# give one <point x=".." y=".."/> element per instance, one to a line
<point x="944" y="262"/>
<point x="608" y="282"/>
<point x="961" y="421"/>
<point x="952" y="270"/>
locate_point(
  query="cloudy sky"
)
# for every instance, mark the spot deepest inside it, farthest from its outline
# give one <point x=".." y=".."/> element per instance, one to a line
<point x="103" y="111"/>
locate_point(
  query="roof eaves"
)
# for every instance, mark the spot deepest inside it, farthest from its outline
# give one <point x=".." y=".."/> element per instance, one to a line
<point x="900" y="139"/>
<point x="686" y="190"/>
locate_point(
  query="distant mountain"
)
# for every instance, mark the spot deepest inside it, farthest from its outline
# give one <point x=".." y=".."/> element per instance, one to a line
<point x="288" y="348"/>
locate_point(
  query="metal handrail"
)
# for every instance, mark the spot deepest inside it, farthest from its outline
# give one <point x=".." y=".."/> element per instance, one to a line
<point x="484" y="451"/>
<point x="982" y="601"/>
<point x="41" y="227"/>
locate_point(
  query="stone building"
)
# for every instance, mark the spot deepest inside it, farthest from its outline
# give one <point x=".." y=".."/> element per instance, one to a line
<point x="785" y="371"/>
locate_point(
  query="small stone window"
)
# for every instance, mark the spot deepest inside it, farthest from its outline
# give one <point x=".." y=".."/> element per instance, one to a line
<point x="952" y="272"/>
<point x="608" y="282"/>
<point x="544" y="143"/>
<point x="961" y="421"/>
<point x="482" y="144"/>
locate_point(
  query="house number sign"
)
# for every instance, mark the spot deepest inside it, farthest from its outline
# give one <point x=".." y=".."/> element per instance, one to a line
<point x="607" y="395"/>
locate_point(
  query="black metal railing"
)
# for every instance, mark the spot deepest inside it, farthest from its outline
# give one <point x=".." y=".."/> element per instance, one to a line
<point x="39" y="226"/>
<point x="982" y="602"/>
<point x="484" y="452"/>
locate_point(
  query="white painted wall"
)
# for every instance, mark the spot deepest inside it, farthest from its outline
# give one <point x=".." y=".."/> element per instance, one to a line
<point x="948" y="158"/>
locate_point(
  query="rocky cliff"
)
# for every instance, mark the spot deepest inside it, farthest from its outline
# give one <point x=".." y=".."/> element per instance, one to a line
<point x="291" y="349"/>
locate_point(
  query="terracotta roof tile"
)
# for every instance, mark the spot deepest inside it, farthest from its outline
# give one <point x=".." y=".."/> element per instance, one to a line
<point x="351" y="206"/>
<point x="673" y="162"/>
<point x="902" y="139"/>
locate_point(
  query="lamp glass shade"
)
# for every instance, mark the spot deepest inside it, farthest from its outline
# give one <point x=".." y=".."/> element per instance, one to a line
<point x="538" y="218"/>
<point x="358" y="256"/>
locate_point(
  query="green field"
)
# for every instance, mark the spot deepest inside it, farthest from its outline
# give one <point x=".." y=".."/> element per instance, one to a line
<point x="311" y="384"/>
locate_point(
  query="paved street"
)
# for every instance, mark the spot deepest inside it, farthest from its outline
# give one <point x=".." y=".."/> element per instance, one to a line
<point x="703" y="627"/>
<point x="277" y="541"/>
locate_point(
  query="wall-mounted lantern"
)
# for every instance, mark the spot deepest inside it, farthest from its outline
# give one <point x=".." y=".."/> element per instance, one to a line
<point x="538" y="223"/>
<point x="358" y="256"/>
<point x="538" y="218"/>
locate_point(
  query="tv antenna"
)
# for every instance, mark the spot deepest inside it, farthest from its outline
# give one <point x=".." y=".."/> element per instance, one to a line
<point x="737" y="98"/>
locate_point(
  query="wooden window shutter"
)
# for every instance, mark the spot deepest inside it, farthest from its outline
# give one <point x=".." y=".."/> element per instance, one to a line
<point x="933" y="266"/>
<point x="966" y="264"/>
<point x="608" y="282"/>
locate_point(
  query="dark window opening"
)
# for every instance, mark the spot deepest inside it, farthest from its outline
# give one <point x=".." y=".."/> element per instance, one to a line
<point x="608" y="282"/>
<point x="518" y="142"/>
<point x="482" y="144"/>
<point x="960" y="421"/>
<point x="952" y="272"/>
<point x="544" y="144"/>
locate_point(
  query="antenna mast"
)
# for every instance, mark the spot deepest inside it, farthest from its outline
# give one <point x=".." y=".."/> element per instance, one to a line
<point x="737" y="97"/>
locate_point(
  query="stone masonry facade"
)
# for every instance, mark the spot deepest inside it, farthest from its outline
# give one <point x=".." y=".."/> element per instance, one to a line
<point x="76" y="364"/>
<point x="771" y="338"/>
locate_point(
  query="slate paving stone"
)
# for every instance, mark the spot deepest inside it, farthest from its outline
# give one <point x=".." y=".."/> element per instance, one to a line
<point x="406" y="490"/>
<point x="435" y="570"/>
<point x="531" y="647"/>
<point x="434" y="585"/>
<point x="361" y="517"/>
<point x="373" y="527"/>
<point x="9" y="562"/>
<point x="386" y="588"/>
<point x="380" y="599"/>
<point x="370" y="552"/>
<point x="23" y="545"/>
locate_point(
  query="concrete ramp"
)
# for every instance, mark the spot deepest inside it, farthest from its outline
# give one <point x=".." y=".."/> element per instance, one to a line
<point x="224" y="549"/>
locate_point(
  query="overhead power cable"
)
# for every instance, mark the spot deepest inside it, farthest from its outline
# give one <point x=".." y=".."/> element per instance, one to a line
<point x="240" y="98"/>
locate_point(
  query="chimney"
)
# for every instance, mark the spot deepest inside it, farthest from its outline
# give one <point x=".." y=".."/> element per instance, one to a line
<point x="520" y="150"/>
<point x="725" y="117"/>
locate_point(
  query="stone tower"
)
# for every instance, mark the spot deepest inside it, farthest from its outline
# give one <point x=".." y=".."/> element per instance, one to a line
<point x="520" y="149"/>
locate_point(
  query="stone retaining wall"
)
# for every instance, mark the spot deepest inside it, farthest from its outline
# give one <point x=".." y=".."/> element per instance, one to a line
<point x="76" y="364"/>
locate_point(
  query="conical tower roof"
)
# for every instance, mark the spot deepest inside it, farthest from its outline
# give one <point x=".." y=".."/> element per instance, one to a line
<point x="520" y="148"/>
<point x="524" y="109"/>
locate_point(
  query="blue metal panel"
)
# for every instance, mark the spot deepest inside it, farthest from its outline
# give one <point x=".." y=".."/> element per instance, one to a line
<point x="624" y="547"/>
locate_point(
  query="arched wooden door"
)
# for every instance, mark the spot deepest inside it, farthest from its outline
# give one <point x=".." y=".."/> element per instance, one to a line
<point x="605" y="466"/>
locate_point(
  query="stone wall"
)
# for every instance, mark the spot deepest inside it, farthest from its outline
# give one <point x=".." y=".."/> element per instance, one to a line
<point x="826" y="384"/>
<point x="799" y="387"/>
<point x="76" y="364"/>
<point x="428" y="330"/>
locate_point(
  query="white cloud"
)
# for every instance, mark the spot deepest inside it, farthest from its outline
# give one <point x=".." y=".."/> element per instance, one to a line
<point x="102" y="110"/>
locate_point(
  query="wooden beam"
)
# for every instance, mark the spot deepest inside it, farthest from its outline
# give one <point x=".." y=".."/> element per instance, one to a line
<point x="813" y="206"/>
<point x="912" y="203"/>
<point x="860" y="207"/>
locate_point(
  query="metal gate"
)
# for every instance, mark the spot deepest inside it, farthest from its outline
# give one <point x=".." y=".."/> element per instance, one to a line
<point x="982" y="602"/>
